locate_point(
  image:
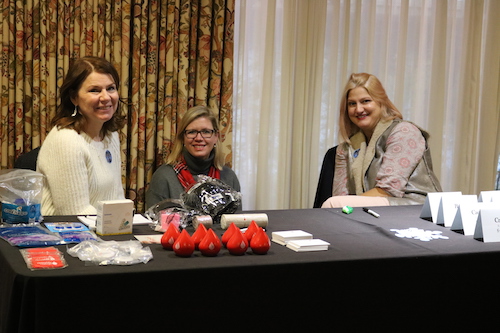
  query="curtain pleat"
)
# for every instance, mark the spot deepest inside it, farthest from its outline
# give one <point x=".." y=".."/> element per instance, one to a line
<point x="170" y="55"/>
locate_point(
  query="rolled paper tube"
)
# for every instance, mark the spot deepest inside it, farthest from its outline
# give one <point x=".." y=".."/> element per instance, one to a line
<point x="243" y="220"/>
<point x="206" y="220"/>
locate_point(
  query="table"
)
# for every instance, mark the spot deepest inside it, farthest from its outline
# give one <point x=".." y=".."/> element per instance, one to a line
<point x="368" y="278"/>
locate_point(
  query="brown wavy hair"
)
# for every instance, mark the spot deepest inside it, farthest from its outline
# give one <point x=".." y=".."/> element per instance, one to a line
<point x="375" y="89"/>
<point x="74" y="79"/>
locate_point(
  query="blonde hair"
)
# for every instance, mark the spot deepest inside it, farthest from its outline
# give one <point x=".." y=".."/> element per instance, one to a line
<point x="190" y="115"/>
<point x="376" y="91"/>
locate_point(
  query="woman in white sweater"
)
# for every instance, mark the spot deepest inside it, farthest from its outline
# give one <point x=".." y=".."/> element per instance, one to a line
<point x="80" y="156"/>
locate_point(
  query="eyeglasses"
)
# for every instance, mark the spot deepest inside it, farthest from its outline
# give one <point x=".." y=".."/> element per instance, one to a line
<point x="206" y="133"/>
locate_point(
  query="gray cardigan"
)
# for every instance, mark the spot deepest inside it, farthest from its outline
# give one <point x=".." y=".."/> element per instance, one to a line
<point x="421" y="181"/>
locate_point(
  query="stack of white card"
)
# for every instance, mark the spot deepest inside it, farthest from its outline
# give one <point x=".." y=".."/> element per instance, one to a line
<point x="299" y="241"/>
<point x="305" y="245"/>
<point x="283" y="237"/>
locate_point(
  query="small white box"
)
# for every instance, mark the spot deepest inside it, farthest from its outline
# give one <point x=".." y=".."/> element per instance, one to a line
<point x="114" y="217"/>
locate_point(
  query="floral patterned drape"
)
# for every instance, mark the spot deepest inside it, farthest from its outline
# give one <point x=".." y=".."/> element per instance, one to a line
<point x="170" y="55"/>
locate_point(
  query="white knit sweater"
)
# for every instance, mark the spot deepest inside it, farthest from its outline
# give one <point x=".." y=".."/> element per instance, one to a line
<point x="78" y="172"/>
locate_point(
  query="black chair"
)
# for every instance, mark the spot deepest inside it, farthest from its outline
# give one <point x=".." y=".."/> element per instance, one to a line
<point x="325" y="183"/>
<point x="27" y="160"/>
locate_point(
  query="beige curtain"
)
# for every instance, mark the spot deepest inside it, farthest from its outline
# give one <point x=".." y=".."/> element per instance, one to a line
<point x="170" y="55"/>
<point x="438" y="60"/>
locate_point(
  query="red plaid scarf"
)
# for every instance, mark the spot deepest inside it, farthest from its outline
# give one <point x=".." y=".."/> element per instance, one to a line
<point x="186" y="178"/>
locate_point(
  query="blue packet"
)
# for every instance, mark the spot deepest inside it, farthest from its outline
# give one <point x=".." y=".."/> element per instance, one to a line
<point x="65" y="226"/>
<point x="71" y="232"/>
<point x="30" y="236"/>
<point x="20" y="213"/>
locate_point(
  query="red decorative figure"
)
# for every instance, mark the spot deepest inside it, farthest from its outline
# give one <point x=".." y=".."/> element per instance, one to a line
<point x="251" y="230"/>
<point x="229" y="232"/>
<point x="238" y="243"/>
<point x="210" y="245"/>
<point x="169" y="237"/>
<point x="198" y="235"/>
<point x="260" y="242"/>
<point x="184" y="245"/>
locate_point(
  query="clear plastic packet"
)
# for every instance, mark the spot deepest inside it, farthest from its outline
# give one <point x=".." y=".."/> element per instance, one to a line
<point x="210" y="196"/>
<point x="166" y="212"/>
<point x="43" y="258"/>
<point x="71" y="232"/>
<point x="26" y="235"/>
<point x="121" y="253"/>
<point x="21" y="195"/>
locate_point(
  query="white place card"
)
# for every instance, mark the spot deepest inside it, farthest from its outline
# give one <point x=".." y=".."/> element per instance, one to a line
<point x="283" y="237"/>
<point x="467" y="214"/>
<point x="431" y="204"/>
<point x="448" y="208"/>
<point x="307" y="245"/>
<point x="489" y="196"/>
<point x="488" y="225"/>
<point x="90" y="220"/>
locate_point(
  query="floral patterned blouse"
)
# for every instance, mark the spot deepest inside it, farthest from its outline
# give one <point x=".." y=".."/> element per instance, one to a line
<point x="404" y="150"/>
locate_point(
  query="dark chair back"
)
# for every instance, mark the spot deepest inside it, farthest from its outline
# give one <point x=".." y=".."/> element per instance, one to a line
<point x="27" y="160"/>
<point x="325" y="183"/>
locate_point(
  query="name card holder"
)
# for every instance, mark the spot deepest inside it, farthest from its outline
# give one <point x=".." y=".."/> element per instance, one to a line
<point x="489" y="196"/>
<point x="432" y="204"/>
<point x="448" y="208"/>
<point x="488" y="225"/>
<point x="467" y="214"/>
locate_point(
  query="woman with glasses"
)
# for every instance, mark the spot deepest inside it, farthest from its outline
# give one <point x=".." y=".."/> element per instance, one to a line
<point x="384" y="160"/>
<point x="194" y="153"/>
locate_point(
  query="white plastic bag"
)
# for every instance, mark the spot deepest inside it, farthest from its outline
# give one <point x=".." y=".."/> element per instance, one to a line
<point x="112" y="252"/>
<point x="21" y="195"/>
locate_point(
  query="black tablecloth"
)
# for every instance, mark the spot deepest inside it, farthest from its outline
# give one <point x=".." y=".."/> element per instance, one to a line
<point x="367" y="278"/>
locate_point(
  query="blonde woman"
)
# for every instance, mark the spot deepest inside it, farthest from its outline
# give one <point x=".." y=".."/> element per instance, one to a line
<point x="194" y="152"/>
<point x="383" y="160"/>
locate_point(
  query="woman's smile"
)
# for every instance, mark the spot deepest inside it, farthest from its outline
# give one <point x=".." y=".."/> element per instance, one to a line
<point x="200" y="146"/>
<point x="363" y="111"/>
